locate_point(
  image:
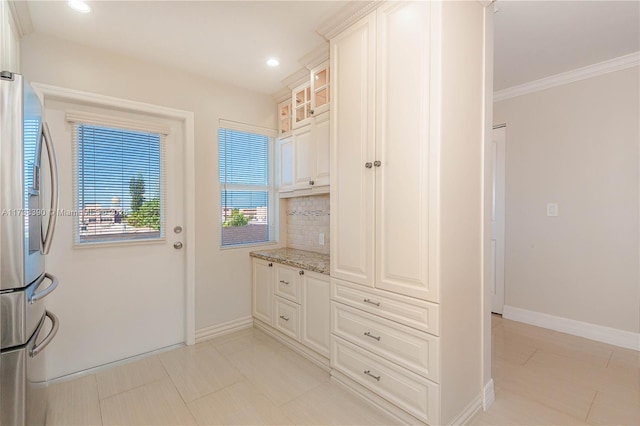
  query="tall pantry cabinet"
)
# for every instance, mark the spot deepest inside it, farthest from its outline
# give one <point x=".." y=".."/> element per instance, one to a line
<point x="406" y="139"/>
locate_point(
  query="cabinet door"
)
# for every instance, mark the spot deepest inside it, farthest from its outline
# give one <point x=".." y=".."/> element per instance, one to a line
<point x="352" y="137"/>
<point x="304" y="157"/>
<point x="316" y="312"/>
<point x="320" y="89"/>
<point x="301" y="105"/>
<point x="321" y="139"/>
<point x="287" y="282"/>
<point x="285" y="163"/>
<point x="284" y="117"/>
<point x="405" y="176"/>
<point x="262" y="291"/>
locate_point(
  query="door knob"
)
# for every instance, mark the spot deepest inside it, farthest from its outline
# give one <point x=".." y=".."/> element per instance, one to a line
<point x="177" y="245"/>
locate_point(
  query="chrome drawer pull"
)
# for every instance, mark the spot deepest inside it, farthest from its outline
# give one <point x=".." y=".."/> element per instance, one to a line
<point x="368" y="373"/>
<point x="368" y="334"/>
<point x="284" y="282"/>
<point x="284" y="318"/>
<point x="372" y="302"/>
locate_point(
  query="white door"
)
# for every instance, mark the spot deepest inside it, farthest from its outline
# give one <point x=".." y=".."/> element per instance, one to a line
<point x="498" y="219"/>
<point x="115" y="300"/>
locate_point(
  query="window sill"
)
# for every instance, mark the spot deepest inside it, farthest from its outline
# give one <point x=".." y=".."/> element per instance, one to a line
<point x="248" y="245"/>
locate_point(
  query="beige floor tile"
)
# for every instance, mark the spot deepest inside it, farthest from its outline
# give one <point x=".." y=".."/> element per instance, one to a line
<point x="578" y="348"/>
<point x="238" y="404"/>
<point x="512" y="347"/>
<point x="547" y="389"/>
<point x="282" y="376"/>
<point x="496" y="320"/>
<point x="622" y="356"/>
<point x="615" y="408"/>
<point x="513" y="409"/>
<point x="199" y="370"/>
<point x="128" y="376"/>
<point x="526" y="330"/>
<point x="157" y="403"/>
<point x="245" y="340"/>
<point x="329" y="404"/>
<point x="74" y="402"/>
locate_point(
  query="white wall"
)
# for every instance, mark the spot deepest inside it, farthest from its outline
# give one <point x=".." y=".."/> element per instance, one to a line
<point x="222" y="276"/>
<point x="9" y="40"/>
<point x="577" y="145"/>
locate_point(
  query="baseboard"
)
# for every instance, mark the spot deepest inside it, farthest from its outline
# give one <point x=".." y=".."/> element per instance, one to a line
<point x="469" y="411"/>
<point x="489" y="395"/>
<point x="222" y="329"/>
<point x="612" y="336"/>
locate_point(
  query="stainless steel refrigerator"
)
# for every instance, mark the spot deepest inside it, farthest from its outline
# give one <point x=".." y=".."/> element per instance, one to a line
<point x="26" y="231"/>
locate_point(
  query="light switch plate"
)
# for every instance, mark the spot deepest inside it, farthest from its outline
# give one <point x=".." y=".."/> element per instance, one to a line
<point x="552" y="209"/>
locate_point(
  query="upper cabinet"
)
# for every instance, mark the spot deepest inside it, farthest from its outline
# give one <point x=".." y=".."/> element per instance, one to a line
<point x="284" y="117"/>
<point x="304" y="135"/>
<point x="312" y="97"/>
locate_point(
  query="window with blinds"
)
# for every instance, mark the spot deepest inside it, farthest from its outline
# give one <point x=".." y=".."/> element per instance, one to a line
<point x="119" y="184"/>
<point x="246" y="187"/>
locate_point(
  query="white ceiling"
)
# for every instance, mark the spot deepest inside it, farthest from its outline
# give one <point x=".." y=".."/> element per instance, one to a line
<point x="227" y="41"/>
<point x="230" y="41"/>
<point x="536" y="39"/>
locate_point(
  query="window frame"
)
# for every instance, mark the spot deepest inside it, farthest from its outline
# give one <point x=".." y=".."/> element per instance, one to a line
<point x="79" y="118"/>
<point x="272" y="199"/>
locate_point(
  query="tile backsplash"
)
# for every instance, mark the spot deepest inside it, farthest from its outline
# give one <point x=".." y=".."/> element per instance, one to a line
<point x="307" y="218"/>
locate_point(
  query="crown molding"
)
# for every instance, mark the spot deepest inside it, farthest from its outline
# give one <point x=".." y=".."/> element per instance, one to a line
<point x="282" y="94"/>
<point x="296" y="79"/>
<point x="616" y="64"/>
<point x="350" y="14"/>
<point x="21" y="17"/>
<point x="316" y="56"/>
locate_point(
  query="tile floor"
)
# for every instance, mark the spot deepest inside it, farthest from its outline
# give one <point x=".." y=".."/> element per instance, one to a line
<point x="541" y="377"/>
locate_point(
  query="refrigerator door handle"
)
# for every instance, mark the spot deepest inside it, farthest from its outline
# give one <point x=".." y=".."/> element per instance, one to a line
<point x="44" y="293"/>
<point x="53" y="167"/>
<point x="55" y="324"/>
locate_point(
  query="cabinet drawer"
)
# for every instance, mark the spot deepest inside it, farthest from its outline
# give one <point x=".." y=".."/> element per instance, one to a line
<point x="405" y="310"/>
<point x="412" y="393"/>
<point x="287" y="318"/>
<point x="410" y="348"/>
<point x="288" y="283"/>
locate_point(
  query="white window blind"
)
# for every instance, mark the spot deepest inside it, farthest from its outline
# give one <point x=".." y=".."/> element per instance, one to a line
<point x="118" y="183"/>
<point x="246" y="187"/>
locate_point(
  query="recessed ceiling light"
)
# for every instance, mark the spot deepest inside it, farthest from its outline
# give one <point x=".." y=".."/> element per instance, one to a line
<point x="79" y="6"/>
<point x="273" y="62"/>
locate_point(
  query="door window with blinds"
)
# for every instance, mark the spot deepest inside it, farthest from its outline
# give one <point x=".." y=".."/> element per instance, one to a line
<point x="246" y="185"/>
<point x="118" y="181"/>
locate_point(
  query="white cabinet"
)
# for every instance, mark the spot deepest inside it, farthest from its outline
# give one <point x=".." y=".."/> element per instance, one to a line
<point x="9" y="40"/>
<point x="286" y="171"/>
<point x="312" y="97"/>
<point x="262" y="291"/>
<point x="406" y="208"/>
<point x="304" y="158"/>
<point x="284" y="117"/>
<point x="315" y="315"/>
<point x="295" y="302"/>
<point x="383" y="174"/>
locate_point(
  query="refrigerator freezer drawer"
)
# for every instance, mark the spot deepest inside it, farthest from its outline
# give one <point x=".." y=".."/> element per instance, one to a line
<point x="23" y="310"/>
<point x="23" y="375"/>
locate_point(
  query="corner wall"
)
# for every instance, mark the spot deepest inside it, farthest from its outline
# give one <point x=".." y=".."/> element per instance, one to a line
<point x="223" y="277"/>
<point x="577" y="145"/>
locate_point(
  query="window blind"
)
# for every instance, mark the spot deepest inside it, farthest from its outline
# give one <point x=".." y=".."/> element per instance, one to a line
<point x="119" y="183"/>
<point x="246" y="187"/>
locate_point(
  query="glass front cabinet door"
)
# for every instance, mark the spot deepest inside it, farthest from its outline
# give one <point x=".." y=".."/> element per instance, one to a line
<point x="284" y="117"/>
<point x="320" y="93"/>
<point x="301" y="105"/>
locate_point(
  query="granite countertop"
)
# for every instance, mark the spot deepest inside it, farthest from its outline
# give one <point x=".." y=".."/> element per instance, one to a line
<point x="316" y="262"/>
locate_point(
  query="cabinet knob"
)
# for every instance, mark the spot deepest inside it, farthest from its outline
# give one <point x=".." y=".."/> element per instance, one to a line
<point x="301" y="272"/>
<point x="311" y="112"/>
<point x="377" y="163"/>
<point x="311" y="182"/>
<point x="368" y="165"/>
<point x="270" y="265"/>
